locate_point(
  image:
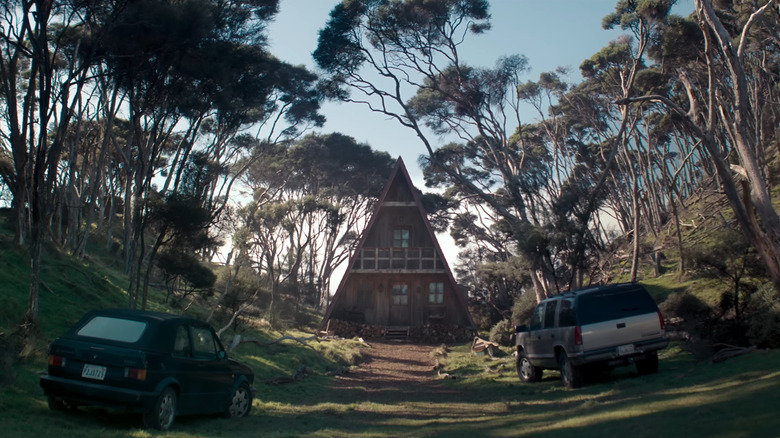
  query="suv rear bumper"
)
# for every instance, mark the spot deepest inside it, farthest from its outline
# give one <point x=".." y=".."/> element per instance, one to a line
<point x="92" y="394"/>
<point x="611" y="356"/>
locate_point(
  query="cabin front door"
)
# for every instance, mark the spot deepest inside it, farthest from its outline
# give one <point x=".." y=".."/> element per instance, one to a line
<point x="400" y="306"/>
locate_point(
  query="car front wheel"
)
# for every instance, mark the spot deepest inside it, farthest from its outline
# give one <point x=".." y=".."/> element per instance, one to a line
<point x="571" y="375"/>
<point x="163" y="411"/>
<point x="240" y="402"/>
<point x="525" y="370"/>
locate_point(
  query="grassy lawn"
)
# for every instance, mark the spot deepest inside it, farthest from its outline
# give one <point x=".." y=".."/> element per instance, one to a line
<point x="737" y="398"/>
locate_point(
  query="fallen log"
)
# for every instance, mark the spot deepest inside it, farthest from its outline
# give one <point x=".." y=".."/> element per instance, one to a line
<point x="338" y="371"/>
<point x="237" y="340"/>
<point x="729" y="352"/>
<point x="447" y="375"/>
<point x="299" y="374"/>
<point x="479" y="345"/>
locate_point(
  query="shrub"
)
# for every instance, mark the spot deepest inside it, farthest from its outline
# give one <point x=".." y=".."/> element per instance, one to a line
<point x="481" y="317"/>
<point x="502" y="332"/>
<point x="523" y="308"/>
<point x="764" y="320"/>
<point x="7" y="354"/>
<point x="687" y="306"/>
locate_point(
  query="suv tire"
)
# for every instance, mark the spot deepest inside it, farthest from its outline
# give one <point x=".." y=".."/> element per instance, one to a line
<point x="571" y="375"/>
<point x="648" y="365"/>
<point x="527" y="372"/>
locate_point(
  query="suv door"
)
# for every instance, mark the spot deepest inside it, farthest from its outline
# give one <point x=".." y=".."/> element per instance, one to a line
<point x="531" y="337"/>
<point x="540" y="334"/>
<point x="548" y="335"/>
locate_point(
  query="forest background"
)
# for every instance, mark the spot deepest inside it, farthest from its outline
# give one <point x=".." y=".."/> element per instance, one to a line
<point x="167" y="131"/>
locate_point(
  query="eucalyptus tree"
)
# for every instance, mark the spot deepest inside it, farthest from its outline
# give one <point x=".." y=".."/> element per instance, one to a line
<point x="401" y="59"/>
<point x="343" y="179"/>
<point x="310" y="200"/>
<point x="198" y="76"/>
<point x="723" y="84"/>
<point x="153" y="51"/>
<point x="46" y="51"/>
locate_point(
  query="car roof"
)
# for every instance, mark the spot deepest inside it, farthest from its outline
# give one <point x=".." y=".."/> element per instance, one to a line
<point x="156" y="320"/>
<point x="139" y="314"/>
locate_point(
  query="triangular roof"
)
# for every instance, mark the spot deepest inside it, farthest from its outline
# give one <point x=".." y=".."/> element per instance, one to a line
<point x="399" y="171"/>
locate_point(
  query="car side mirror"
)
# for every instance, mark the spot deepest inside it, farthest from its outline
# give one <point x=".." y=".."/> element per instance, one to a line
<point x="222" y="355"/>
<point x="521" y="328"/>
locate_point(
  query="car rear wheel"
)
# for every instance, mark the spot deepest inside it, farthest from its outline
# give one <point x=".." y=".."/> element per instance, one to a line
<point x="58" y="404"/>
<point x="571" y="375"/>
<point x="525" y="370"/>
<point x="648" y="365"/>
<point x="240" y="402"/>
<point x="163" y="411"/>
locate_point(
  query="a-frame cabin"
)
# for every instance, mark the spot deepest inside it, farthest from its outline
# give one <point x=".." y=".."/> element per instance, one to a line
<point x="397" y="276"/>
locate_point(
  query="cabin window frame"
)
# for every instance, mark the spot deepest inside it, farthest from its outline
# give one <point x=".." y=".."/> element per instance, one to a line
<point x="436" y="293"/>
<point x="400" y="294"/>
<point x="399" y="239"/>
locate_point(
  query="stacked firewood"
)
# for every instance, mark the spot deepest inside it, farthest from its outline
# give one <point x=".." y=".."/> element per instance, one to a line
<point x="431" y="333"/>
<point x="349" y="329"/>
<point x="435" y="333"/>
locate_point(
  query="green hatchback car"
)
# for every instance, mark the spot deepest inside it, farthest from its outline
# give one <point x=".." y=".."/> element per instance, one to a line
<point x="157" y="364"/>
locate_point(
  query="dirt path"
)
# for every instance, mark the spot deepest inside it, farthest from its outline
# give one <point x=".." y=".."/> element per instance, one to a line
<point x="396" y="368"/>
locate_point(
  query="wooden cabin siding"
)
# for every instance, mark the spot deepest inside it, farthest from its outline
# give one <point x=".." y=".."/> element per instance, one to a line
<point x="391" y="218"/>
<point x="368" y="299"/>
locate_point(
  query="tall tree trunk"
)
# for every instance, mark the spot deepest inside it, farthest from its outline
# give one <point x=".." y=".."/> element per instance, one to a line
<point x="764" y="229"/>
<point x="637" y="237"/>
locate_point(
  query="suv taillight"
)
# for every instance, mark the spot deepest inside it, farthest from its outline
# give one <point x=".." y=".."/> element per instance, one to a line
<point x="577" y="335"/>
<point x="661" y="318"/>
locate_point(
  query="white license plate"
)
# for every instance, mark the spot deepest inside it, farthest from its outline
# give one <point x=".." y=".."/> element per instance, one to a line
<point x="623" y="350"/>
<point x="93" y="372"/>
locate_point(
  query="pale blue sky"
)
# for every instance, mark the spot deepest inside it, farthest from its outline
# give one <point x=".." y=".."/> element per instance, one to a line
<point x="550" y="33"/>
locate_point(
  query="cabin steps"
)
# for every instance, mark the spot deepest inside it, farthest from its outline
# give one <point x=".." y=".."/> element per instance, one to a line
<point x="397" y="332"/>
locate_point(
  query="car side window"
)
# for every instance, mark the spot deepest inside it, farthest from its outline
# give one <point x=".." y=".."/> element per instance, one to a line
<point x="204" y="344"/>
<point x="536" y="318"/>
<point x="181" y="343"/>
<point x="566" y="316"/>
<point x="549" y="314"/>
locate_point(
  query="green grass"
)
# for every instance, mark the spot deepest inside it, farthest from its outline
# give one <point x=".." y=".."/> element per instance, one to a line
<point x="736" y="398"/>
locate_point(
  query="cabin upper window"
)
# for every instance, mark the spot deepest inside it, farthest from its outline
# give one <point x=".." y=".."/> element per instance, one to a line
<point x="400" y="294"/>
<point x="401" y="237"/>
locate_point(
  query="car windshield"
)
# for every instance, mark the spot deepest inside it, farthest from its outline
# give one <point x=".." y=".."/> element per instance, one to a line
<point x="113" y="329"/>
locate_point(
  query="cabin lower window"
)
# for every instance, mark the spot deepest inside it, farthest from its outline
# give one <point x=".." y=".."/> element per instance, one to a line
<point x="400" y="294"/>
<point x="436" y="293"/>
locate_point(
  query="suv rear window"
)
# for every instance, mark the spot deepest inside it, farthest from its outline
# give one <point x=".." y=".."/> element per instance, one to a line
<point x="614" y="303"/>
<point x="113" y="329"/>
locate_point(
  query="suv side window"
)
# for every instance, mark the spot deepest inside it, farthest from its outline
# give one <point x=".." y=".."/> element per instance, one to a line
<point x="549" y="314"/>
<point x="566" y="315"/>
<point x="536" y="318"/>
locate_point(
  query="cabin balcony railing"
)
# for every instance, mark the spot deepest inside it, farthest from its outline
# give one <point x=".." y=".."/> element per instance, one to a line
<point x="398" y="259"/>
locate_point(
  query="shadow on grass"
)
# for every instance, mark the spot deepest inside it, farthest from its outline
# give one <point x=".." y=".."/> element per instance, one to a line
<point x="737" y="398"/>
<point x="682" y="400"/>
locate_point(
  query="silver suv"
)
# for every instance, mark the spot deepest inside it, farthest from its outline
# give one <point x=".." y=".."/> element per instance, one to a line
<point x="590" y="329"/>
